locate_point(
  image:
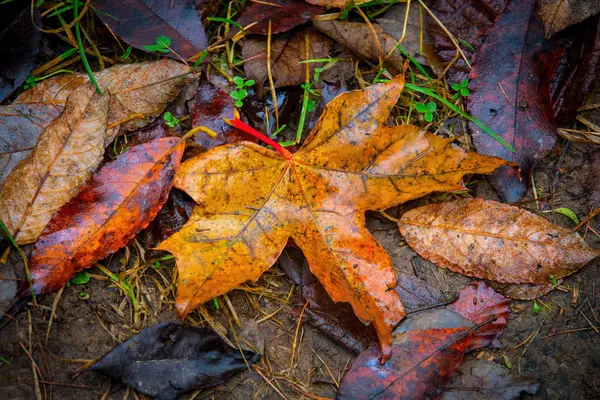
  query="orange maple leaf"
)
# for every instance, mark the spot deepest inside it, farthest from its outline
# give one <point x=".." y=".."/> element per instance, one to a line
<point x="251" y="200"/>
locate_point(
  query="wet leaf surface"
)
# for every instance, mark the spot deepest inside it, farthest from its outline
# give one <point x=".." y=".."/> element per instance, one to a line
<point x="141" y="22"/>
<point x="510" y="94"/>
<point x="209" y="108"/>
<point x="480" y="379"/>
<point x="286" y="55"/>
<point x="359" y="39"/>
<point x="72" y="145"/>
<point x="251" y="200"/>
<point x="170" y="358"/>
<point x="427" y="349"/>
<point x="559" y="14"/>
<point x="284" y="15"/>
<point x="20" y="42"/>
<point x="117" y="202"/>
<point x="171" y="217"/>
<point x="495" y="241"/>
<point x="20" y="127"/>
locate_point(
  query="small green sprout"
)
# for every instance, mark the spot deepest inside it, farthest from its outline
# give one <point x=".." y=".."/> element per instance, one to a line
<point x="567" y="212"/>
<point x="461" y="89"/>
<point x="30" y="82"/>
<point x="162" y="45"/>
<point x="554" y="281"/>
<point x="127" y="53"/>
<point x="240" y="94"/>
<point x="170" y="120"/>
<point x="536" y="307"/>
<point x="80" y="278"/>
<point x="426" y="109"/>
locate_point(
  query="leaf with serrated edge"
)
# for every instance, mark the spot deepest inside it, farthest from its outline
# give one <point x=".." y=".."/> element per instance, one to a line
<point x="251" y="200"/>
<point x="490" y="240"/>
<point x="71" y="147"/>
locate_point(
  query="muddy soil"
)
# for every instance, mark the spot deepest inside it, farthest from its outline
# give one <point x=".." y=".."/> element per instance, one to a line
<point x="560" y="345"/>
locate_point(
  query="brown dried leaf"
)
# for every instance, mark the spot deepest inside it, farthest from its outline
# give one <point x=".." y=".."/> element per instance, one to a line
<point x="286" y="55"/>
<point x="490" y="240"/>
<point x="358" y="37"/>
<point x="560" y="14"/>
<point x="71" y="147"/>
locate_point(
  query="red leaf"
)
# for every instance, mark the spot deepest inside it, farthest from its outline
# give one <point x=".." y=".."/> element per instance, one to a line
<point x="140" y="22"/>
<point x="284" y="15"/>
<point x="119" y="200"/>
<point x="428" y="348"/>
<point x="208" y="109"/>
<point x="511" y="97"/>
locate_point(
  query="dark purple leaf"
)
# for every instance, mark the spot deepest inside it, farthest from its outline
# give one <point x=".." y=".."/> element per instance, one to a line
<point x="284" y="15"/>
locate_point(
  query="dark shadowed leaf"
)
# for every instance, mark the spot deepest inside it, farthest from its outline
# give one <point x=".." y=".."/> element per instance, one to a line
<point x="284" y="15"/>
<point x="209" y="108"/>
<point x="286" y="55"/>
<point x="480" y="379"/>
<point x="20" y="44"/>
<point x="140" y="22"/>
<point x="560" y="14"/>
<point x="511" y="96"/>
<point x="119" y="200"/>
<point x="20" y="127"/>
<point x="171" y="217"/>
<point x="170" y="358"/>
<point x="427" y="349"/>
<point x="524" y="291"/>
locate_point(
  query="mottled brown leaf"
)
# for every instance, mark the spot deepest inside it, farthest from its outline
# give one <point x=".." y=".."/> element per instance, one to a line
<point x="560" y="14"/>
<point x="358" y="38"/>
<point x="284" y="15"/>
<point x="71" y="147"/>
<point x="511" y="95"/>
<point x="490" y="240"/>
<point x="140" y="22"/>
<point x="286" y="55"/>
<point x="118" y="201"/>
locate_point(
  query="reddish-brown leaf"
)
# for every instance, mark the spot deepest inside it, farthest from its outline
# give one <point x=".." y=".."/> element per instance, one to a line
<point x="426" y="350"/>
<point x="511" y="96"/>
<point x="209" y="108"/>
<point x="171" y="217"/>
<point x="283" y="14"/>
<point x="140" y="22"/>
<point x="560" y="14"/>
<point x="118" y="201"/>
<point x="495" y="241"/>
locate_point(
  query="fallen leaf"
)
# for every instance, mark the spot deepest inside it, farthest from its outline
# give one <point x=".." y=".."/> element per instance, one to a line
<point x="523" y="291"/>
<point x="170" y="358"/>
<point x="467" y="20"/>
<point x="358" y="38"/>
<point x="283" y="14"/>
<point x="479" y="379"/>
<point x="53" y="91"/>
<point x="490" y="240"/>
<point x="140" y="22"/>
<point x="251" y="200"/>
<point x="117" y="202"/>
<point x="427" y="349"/>
<point x="20" y="39"/>
<point x="171" y="217"/>
<point x="560" y="14"/>
<point x="20" y="127"/>
<point x="336" y="3"/>
<point x="71" y="147"/>
<point x="209" y="108"/>
<point x="510" y="95"/>
<point x="286" y="55"/>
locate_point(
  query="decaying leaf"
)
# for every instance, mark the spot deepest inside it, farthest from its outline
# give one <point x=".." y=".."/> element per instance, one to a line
<point x="358" y="38"/>
<point x="427" y="349"/>
<point x="479" y="379"/>
<point x="53" y="91"/>
<point x="509" y="93"/>
<point x="490" y="240"/>
<point x="286" y="55"/>
<point x="523" y="291"/>
<point x="560" y="14"/>
<point x="170" y="358"/>
<point x="251" y="200"/>
<point x="20" y="127"/>
<point x="171" y="217"/>
<point x="117" y="202"/>
<point x="71" y="147"/>
<point x="141" y="22"/>
<point x="284" y="15"/>
<point x="20" y="40"/>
